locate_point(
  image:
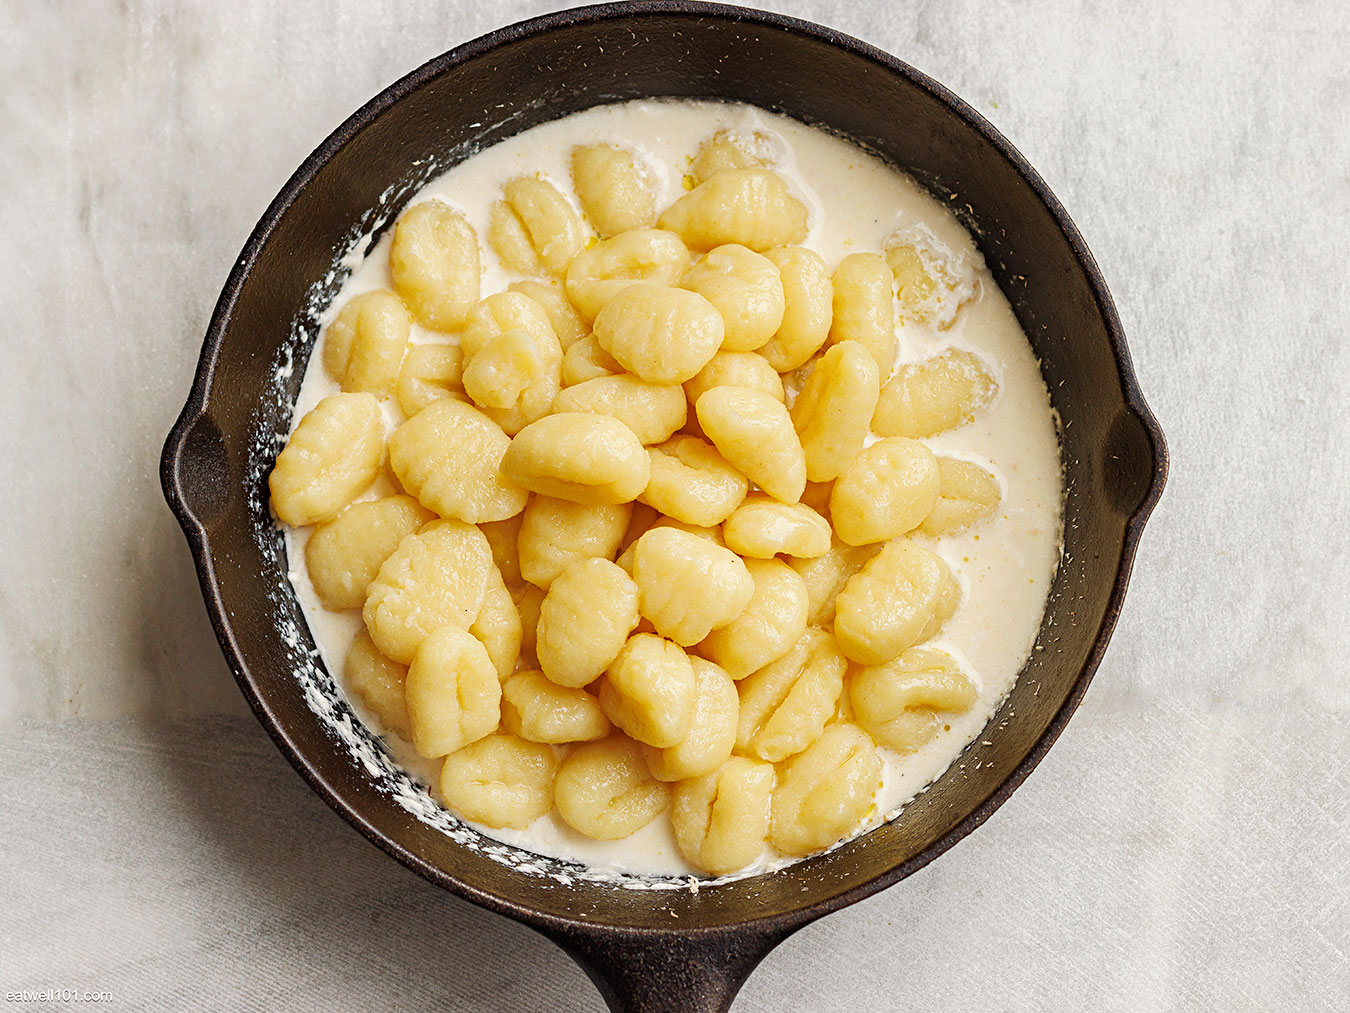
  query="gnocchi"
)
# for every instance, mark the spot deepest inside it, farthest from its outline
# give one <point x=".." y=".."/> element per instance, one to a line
<point x="534" y="229"/>
<point x="833" y="412"/>
<point x="433" y="260"/>
<point x="429" y="373"/>
<point x="652" y="411"/>
<point x="785" y="705"/>
<point x="605" y="791"/>
<point x="555" y="533"/>
<point x="364" y="345"/>
<point x="898" y="701"/>
<point x="334" y="453"/>
<point x="712" y="728"/>
<point x="454" y="697"/>
<point x="773" y="621"/>
<point x="864" y="309"/>
<point x="539" y="710"/>
<point x="735" y="369"/>
<point x="688" y="586"/>
<point x="762" y="528"/>
<point x="614" y="188"/>
<point x="584" y="621"/>
<point x="824" y="791"/>
<point x="661" y="334"/>
<point x="966" y="493"/>
<point x="599" y="274"/>
<point x="936" y="394"/>
<point x="808" y="307"/>
<point x="722" y="818"/>
<point x="378" y="683"/>
<point x="888" y="490"/>
<point x="344" y="555"/>
<point x="579" y="456"/>
<point x="500" y="781"/>
<point x="750" y="207"/>
<point x="887" y="606"/>
<point x="691" y="482"/>
<point x="745" y="288"/>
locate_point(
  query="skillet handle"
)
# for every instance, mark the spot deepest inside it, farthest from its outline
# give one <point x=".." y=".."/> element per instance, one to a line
<point x="649" y="971"/>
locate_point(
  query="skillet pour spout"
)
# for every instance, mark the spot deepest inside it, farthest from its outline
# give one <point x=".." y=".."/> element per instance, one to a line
<point x="649" y="949"/>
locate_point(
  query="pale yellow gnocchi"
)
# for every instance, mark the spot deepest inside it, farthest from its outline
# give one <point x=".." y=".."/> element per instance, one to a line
<point x="364" y="345"/>
<point x="449" y="455"/>
<point x="785" y="705"/>
<point x="500" y="780"/>
<point x="751" y="207"/>
<point x="826" y="575"/>
<point x="579" y="456"/>
<point x="773" y="621"/>
<point x="746" y="290"/>
<point x="691" y="482"/>
<point x="808" y="307"/>
<point x="935" y="394"/>
<point x="539" y="710"/>
<point x="833" y="412"/>
<point x="599" y="274"/>
<point x="722" y="818"/>
<point x="712" y="728"/>
<point x="433" y="260"/>
<point x="967" y="493"/>
<point x="660" y="333"/>
<point x="726" y="150"/>
<point x="605" y="791"/>
<point x="888" y="605"/>
<point x="344" y="555"/>
<point x="824" y="792"/>
<point x="377" y="683"/>
<point x="429" y="372"/>
<point x="586" y="360"/>
<point x="652" y="411"/>
<point x="754" y="433"/>
<point x="864" y="307"/>
<point x="334" y="453"/>
<point x="454" y="696"/>
<point x="534" y="229"/>
<point x="888" y="490"/>
<point x="563" y="317"/>
<point x="498" y="626"/>
<point x="436" y="577"/>
<point x="555" y="533"/>
<point x="762" y="528"/>
<point x="688" y="586"/>
<point x="584" y="621"/>
<point x="614" y="187"/>
<point x="898" y="702"/>
<point x="735" y="369"/>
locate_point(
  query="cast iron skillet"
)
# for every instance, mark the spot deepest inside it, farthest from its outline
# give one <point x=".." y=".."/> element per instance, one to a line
<point x="663" y="950"/>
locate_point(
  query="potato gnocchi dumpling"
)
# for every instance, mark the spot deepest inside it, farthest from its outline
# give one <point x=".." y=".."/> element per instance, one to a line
<point x="754" y="433"/>
<point x="726" y="150"/>
<point x="721" y="819"/>
<point x="772" y="622"/>
<point x="888" y="605"/>
<point x="808" y="307"/>
<point x="653" y="411"/>
<point x="825" y="576"/>
<point x="563" y="317"/>
<point x="746" y="290"/>
<point x="649" y="690"/>
<point x="539" y="710"/>
<point x="785" y="705"/>
<point x="454" y="696"/>
<point x="935" y="394"/>
<point x="433" y="260"/>
<point x="534" y="229"/>
<point x="688" y="586"/>
<point x="825" y="791"/>
<point x="712" y="728"/>
<point x="599" y="274"/>
<point x="833" y="412"/>
<point x="498" y="626"/>
<point x="931" y="282"/>
<point x="898" y="701"/>
<point x="500" y="781"/>
<point x="864" y="307"/>
<point x="762" y="528"/>
<point x="334" y="453"/>
<point x="435" y="578"/>
<point x="614" y="187"/>
<point x="586" y="360"/>
<point x="579" y="456"/>
<point x="887" y="491"/>
<point x="691" y="482"/>
<point x="363" y="347"/>
<point x="605" y="791"/>
<point x="378" y="683"/>
<point x="751" y="207"/>
<point x="584" y="621"/>
<point x="967" y="493"/>
<point x="449" y="455"/>
<point x="429" y="373"/>
<point x="554" y="533"/>
<point x="662" y="334"/>
<point x="344" y="555"/>
<point x="735" y="369"/>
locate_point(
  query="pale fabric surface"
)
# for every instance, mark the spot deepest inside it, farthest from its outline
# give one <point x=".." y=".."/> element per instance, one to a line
<point x="1183" y="847"/>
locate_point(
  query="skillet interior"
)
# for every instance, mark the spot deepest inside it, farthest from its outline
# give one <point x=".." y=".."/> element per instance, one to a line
<point x="218" y="455"/>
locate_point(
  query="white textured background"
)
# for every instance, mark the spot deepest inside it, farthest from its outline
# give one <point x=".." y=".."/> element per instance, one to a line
<point x="1184" y="846"/>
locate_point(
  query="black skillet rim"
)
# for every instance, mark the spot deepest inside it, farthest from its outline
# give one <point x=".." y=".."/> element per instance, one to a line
<point x="195" y="409"/>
